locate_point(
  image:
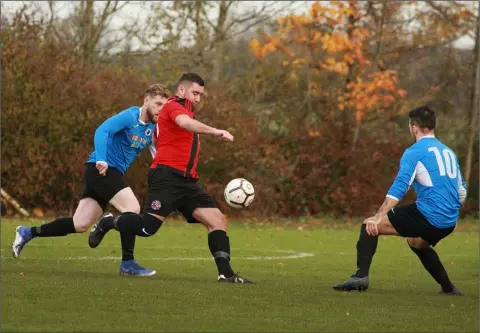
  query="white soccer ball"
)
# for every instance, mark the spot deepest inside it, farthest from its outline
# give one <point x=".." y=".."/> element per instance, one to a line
<point x="239" y="193"/>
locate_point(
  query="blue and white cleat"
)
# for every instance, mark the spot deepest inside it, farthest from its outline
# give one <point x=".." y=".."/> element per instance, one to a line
<point x="131" y="267"/>
<point x="22" y="236"/>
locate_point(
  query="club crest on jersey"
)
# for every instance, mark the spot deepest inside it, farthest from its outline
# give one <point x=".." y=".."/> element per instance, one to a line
<point x="148" y="132"/>
<point x="156" y="205"/>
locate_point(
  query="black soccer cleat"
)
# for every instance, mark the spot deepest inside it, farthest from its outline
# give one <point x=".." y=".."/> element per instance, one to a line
<point x="354" y="283"/>
<point x="98" y="232"/>
<point x="454" y="292"/>
<point x="233" y="279"/>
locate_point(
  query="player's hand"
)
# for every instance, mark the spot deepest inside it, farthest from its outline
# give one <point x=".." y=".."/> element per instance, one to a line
<point x="102" y="168"/>
<point x="371" y="225"/>
<point x="224" y="135"/>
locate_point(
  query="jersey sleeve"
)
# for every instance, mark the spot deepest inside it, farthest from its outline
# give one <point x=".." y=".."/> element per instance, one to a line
<point x="405" y="176"/>
<point x="109" y="127"/>
<point x="462" y="186"/>
<point x="176" y="111"/>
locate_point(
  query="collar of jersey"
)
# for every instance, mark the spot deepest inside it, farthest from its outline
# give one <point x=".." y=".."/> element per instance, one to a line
<point x="139" y="116"/>
<point x="180" y="100"/>
<point x="427" y="136"/>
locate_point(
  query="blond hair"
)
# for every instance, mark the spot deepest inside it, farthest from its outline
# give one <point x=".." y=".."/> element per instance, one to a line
<point x="158" y="89"/>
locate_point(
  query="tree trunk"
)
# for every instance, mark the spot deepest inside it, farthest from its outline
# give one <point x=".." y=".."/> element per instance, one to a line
<point x="86" y="29"/>
<point x="475" y="105"/>
<point x="219" y="40"/>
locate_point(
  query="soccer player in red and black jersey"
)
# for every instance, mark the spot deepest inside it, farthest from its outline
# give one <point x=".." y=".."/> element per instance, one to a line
<point x="172" y="181"/>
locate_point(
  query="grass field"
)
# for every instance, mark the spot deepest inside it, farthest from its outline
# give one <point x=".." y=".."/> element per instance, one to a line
<point x="60" y="284"/>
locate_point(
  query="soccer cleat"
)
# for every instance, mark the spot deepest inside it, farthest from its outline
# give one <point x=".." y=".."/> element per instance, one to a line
<point x="354" y="283"/>
<point x="22" y="236"/>
<point x="233" y="279"/>
<point x="98" y="232"/>
<point x="454" y="292"/>
<point x="130" y="267"/>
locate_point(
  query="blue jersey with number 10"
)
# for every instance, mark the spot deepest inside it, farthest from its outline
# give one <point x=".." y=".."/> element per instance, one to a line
<point x="433" y="170"/>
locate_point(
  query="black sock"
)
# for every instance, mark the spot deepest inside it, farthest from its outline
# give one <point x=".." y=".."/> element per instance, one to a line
<point x="131" y="224"/>
<point x="125" y="223"/>
<point x="366" y="247"/>
<point x="128" y="244"/>
<point x="433" y="265"/>
<point x="60" y="227"/>
<point x="219" y="245"/>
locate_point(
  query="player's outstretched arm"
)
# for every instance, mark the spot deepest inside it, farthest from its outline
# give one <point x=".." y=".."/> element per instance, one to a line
<point x="195" y="126"/>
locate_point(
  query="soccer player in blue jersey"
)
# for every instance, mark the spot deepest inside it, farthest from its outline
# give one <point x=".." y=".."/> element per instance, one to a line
<point x="117" y="142"/>
<point x="433" y="170"/>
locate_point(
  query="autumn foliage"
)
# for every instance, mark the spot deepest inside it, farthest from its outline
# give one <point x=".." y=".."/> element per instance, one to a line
<point x="331" y="38"/>
<point x="316" y="108"/>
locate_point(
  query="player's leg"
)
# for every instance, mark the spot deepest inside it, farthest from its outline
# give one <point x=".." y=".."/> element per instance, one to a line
<point x="366" y="248"/>
<point x="131" y="225"/>
<point x="200" y="207"/>
<point x="89" y="209"/>
<point x="405" y="221"/>
<point x="114" y="190"/>
<point x="125" y="202"/>
<point x="159" y="204"/>
<point x="367" y="245"/>
<point x="430" y="260"/>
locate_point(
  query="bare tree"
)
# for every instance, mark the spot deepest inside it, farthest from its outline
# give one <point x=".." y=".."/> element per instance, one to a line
<point x="87" y="27"/>
<point x="474" y="102"/>
<point x="207" y="26"/>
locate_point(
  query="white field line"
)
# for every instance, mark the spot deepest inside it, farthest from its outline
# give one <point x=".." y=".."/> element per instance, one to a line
<point x="288" y="254"/>
<point x="297" y="255"/>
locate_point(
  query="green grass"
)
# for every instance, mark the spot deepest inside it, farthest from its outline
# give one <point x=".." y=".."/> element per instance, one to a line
<point x="48" y="291"/>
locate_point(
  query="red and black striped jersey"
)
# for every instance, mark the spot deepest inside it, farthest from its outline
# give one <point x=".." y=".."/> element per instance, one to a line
<point x="175" y="146"/>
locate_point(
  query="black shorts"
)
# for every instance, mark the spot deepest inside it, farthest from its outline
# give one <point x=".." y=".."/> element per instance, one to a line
<point x="168" y="191"/>
<point x="102" y="188"/>
<point x="410" y="222"/>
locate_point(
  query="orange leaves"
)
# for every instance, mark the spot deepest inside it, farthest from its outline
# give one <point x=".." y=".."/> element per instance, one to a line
<point x="348" y="58"/>
<point x="378" y="91"/>
<point x="313" y="133"/>
<point x="388" y="99"/>
<point x="332" y="38"/>
<point x="295" y="30"/>
<point x="339" y="67"/>
<point x="255" y="48"/>
<point x="272" y="44"/>
<point x="336" y="42"/>
<point x="315" y="10"/>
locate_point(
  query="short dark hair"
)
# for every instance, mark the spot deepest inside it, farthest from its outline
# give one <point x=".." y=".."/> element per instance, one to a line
<point x="423" y="117"/>
<point x="191" y="77"/>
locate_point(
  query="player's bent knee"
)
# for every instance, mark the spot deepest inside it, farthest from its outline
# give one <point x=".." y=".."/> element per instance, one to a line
<point x="219" y="222"/>
<point x="127" y="221"/>
<point x="81" y="225"/>
<point x="144" y="225"/>
<point x="417" y="243"/>
<point x="150" y="225"/>
<point x="385" y="227"/>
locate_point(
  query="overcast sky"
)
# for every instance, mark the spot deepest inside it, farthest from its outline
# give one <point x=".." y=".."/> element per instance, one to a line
<point x="137" y="11"/>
